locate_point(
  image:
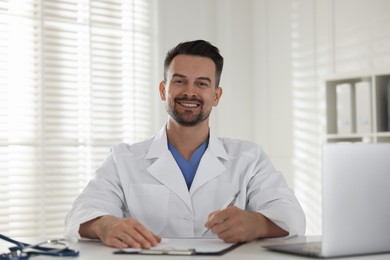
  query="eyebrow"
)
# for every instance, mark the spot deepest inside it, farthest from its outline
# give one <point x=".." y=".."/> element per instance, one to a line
<point x="205" y="78"/>
<point x="183" y="76"/>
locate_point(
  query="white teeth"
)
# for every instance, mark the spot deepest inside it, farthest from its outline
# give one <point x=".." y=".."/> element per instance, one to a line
<point x="188" y="105"/>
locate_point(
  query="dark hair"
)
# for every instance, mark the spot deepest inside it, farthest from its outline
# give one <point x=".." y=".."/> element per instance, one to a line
<point x="196" y="48"/>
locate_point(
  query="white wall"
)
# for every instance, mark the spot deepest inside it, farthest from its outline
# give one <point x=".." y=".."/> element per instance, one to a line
<point x="277" y="55"/>
<point x="272" y="82"/>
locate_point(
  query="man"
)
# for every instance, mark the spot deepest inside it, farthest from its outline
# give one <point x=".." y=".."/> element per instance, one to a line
<point x="174" y="184"/>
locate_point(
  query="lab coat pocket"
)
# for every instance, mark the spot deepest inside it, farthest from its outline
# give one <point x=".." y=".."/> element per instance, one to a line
<point x="148" y="203"/>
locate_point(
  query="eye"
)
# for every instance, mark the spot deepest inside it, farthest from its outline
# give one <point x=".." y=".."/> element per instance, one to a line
<point x="178" y="82"/>
<point x="202" y="84"/>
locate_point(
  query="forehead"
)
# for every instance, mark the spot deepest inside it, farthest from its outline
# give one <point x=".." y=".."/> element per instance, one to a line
<point x="192" y="66"/>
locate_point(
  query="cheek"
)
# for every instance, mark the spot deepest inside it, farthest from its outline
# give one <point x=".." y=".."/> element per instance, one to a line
<point x="170" y="93"/>
<point x="169" y="98"/>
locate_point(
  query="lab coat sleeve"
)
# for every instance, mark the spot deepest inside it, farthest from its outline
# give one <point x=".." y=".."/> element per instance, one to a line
<point x="269" y="195"/>
<point x="103" y="195"/>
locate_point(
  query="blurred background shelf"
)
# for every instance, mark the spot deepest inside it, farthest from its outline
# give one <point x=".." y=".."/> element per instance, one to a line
<point x="358" y="108"/>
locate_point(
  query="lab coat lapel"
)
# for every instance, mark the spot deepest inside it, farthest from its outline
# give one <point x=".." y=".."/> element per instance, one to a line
<point x="211" y="164"/>
<point x="165" y="168"/>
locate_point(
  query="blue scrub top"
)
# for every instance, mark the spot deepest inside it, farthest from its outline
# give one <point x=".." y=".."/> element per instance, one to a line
<point x="188" y="168"/>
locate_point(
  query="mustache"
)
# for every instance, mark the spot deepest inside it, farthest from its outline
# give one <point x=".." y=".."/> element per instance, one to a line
<point x="189" y="99"/>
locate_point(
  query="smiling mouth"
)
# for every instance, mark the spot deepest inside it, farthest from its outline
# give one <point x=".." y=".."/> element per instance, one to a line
<point x="188" y="105"/>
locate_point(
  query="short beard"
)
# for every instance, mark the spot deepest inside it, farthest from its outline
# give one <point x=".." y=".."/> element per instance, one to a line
<point x="180" y="118"/>
<point x="185" y="122"/>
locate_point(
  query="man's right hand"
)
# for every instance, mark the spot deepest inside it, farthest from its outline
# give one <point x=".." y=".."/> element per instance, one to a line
<point x="119" y="232"/>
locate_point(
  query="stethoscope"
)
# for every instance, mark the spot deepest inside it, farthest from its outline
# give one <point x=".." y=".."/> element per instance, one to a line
<point x="23" y="251"/>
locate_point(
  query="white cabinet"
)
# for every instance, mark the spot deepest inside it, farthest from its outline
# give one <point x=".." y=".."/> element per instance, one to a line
<point x="358" y="108"/>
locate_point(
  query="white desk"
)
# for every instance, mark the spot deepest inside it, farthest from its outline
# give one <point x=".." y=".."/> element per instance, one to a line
<point x="92" y="250"/>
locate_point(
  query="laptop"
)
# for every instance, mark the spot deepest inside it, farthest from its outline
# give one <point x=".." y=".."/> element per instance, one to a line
<point x="356" y="202"/>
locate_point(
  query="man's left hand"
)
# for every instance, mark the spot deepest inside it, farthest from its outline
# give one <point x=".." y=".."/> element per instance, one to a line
<point x="234" y="225"/>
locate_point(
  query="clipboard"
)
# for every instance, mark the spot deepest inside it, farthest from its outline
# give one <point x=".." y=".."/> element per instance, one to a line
<point x="184" y="246"/>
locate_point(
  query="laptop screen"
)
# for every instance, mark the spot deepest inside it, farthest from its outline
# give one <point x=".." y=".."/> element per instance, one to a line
<point x="356" y="198"/>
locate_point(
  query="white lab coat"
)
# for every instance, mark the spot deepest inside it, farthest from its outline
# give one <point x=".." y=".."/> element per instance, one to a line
<point x="143" y="181"/>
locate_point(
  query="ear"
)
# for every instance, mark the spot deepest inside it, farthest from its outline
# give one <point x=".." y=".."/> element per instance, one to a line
<point x="162" y="91"/>
<point x="217" y="96"/>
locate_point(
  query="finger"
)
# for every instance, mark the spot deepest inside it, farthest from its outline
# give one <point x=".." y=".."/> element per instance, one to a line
<point x="146" y="237"/>
<point x="232" y="230"/>
<point x="208" y="223"/>
<point x="217" y="218"/>
<point x="228" y="224"/>
<point x="220" y="227"/>
<point x="158" y="238"/>
<point x="129" y="240"/>
<point x="225" y="232"/>
<point x="214" y="219"/>
<point x="232" y="238"/>
<point x="140" y="239"/>
<point x="131" y="232"/>
<point x="117" y="243"/>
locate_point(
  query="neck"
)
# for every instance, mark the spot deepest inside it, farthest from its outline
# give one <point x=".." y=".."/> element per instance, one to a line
<point x="186" y="139"/>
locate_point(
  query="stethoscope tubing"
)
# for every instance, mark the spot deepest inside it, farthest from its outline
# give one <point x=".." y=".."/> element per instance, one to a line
<point x="26" y="255"/>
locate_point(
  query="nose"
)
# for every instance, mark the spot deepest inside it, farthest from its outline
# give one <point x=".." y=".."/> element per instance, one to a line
<point x="190" y="90"/>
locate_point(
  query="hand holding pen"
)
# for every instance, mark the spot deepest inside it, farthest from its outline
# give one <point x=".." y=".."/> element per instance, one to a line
<point x="228" y="203"/>
<point x="233" y="225"/>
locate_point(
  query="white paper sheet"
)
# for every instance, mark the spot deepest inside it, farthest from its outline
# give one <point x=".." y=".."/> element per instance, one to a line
<point x="200" y="245"/>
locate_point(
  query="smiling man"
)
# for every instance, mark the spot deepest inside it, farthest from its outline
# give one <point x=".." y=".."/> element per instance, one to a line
<point x="174" y="184"/>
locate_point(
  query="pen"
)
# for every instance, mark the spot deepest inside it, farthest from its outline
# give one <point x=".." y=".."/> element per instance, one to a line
<point x="228" y="203"/>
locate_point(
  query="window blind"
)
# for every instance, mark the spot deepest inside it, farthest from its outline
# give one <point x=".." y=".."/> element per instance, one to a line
<point x="75" y="78"/>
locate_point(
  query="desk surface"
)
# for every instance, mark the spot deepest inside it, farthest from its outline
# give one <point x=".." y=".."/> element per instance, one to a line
<point x="93" y="250"/>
